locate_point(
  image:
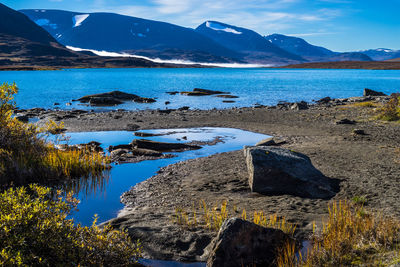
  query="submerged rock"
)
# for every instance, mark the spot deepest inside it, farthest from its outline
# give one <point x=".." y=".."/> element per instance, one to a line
<point x="202" y="92"/>
<point x="243" y="243"/>
<point x="275" y="170"/>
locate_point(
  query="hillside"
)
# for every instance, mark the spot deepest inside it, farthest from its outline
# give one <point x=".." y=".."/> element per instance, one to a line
<point x="25" y="45"/>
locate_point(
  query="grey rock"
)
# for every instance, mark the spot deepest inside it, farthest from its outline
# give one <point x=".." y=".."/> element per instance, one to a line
<point x="299" y="106"/>
<point x="275" y="170"/>
<point x="243" y="243"/>
<point x="358" y="132"/>
<point x="162" y="146"/>
<point x="104" y="101"/>
<point x="345" y="121"/>
<point x="324" y="100"/>
<point x="370" y="92"/>
<point x="267" y="142"/>
<point x="114" y="94"/>
<point x="22" y="118"/>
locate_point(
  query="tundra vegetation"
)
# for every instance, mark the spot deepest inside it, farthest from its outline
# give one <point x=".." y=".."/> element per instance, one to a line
<point x="34" y="228"/>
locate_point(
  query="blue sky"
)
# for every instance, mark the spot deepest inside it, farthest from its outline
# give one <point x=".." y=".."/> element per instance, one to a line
<point x="340" y="25"/>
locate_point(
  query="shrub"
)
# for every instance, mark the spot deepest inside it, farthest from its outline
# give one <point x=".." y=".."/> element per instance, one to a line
<point x="351" y="236"/>
<point x="34" y="230"/>
<point x="26" y="156"/>
<point x="391" y="110"/>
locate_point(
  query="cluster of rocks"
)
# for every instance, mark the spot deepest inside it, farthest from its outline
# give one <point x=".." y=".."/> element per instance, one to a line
<point x="92" y="146"/>
<point x="113" y="98"/>
<point x="25" y="115"/>
<point x="142" y="149"/>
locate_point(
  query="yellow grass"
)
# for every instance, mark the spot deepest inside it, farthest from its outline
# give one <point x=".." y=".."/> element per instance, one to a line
<point x="212" y="217"/>
<point x="350" y="236"/>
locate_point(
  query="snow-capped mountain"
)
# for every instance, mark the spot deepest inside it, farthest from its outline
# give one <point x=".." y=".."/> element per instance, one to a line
<point x="382" y="53"/>
<point x="311" y="52"/>
<point x="251" y="44"/>
<point x="118" y="33"/>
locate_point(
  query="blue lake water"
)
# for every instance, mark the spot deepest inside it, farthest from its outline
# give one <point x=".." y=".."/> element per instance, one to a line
<point x="103" y="197"/>
<point x="263" y="86"/>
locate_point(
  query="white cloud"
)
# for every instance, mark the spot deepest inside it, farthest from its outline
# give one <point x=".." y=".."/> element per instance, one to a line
<point x="263" y="16"/>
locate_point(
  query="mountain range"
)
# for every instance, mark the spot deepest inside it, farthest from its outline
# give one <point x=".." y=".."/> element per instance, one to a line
<point x="44" y="34"/>
<point x="25" y="45"/>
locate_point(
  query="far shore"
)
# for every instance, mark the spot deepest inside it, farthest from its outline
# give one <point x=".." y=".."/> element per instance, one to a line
<point x="124" y="63"/>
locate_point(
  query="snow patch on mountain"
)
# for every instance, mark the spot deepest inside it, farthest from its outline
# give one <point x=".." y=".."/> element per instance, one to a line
<point x="78" y="19"/>
<point x="171" y="61"/>
<point x="219" y="27"/>
<point x="45" y="22"/>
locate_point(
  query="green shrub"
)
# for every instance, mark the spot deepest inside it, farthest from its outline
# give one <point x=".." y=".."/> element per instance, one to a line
<point x="34" y="230"/>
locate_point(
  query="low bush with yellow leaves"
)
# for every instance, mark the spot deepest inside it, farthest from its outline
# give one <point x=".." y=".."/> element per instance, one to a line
<point x="34" y="230"/>
<point x="26" y="156"/>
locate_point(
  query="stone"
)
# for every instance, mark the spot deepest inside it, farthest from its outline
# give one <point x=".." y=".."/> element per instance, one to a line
<point x="324" y="100"/>
<point x="114" y="94"/>
<point x="145" y="152"/>
<point x="370" y="92"/>
<point x="267" y="142"/>
<point x="132" y="127"/>
<point x="104" y="101"/>
<point x="299" y="106"/>
<point x="227" y="96"/>
<point x="358" y="132"/>
<point x="172" y="92"/>
<point x="345" y="121"/>
<point x="277" y="171"/>
<point x="116" y="154"/>
<point x="144" y="100"/>
<point x="243" y="243"/>
<point x="22" y="118"/>
<point x="162" y="146"/>
<point x="183" y="108"/>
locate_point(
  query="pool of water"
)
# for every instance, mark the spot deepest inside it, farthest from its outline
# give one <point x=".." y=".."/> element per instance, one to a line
<point x="102" y="196"/>
<point x="263" y="86"/>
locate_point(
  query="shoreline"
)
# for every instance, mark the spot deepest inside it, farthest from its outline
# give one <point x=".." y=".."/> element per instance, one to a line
<point x="367" y="165"/>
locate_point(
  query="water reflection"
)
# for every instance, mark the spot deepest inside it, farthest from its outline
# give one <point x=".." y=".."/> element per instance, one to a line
<point x="102" y="195"/>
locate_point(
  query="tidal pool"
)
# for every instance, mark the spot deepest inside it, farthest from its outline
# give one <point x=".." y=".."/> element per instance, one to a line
<point x="101" y="196"/>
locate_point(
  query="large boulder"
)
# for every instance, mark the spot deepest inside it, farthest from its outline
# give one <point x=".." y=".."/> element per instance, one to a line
<point x="369" y="92"/>
<point x="243" y="243"/>
<point x="275" y="170"/>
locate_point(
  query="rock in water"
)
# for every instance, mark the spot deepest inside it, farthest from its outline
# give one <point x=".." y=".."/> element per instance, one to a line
<point x="369" y="92"/>
<point x="275" y="170"/>
<point x="243" y="243"/>
<point x="161" y="146"/>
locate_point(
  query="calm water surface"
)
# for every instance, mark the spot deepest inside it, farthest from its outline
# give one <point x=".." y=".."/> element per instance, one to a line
<point x="102" y="196"/>
<point x="263" y="86"/>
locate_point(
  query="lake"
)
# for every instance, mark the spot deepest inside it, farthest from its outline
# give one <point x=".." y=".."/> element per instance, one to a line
<point x="262" y="86"/>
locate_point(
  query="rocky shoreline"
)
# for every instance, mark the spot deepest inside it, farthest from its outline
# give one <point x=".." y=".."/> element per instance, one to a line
<point x="338" y="136"/>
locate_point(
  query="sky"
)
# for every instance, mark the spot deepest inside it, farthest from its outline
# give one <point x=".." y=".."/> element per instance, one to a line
<point x="339" y="25"/>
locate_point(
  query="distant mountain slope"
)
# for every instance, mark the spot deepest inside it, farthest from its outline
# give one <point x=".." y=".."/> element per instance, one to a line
<point x="118" y="33"/>
<point x="311" y="52"/>
<point x="299" y="46"/>
<point x="25" y="45"/>
<point x="381" y="54"/>
<point x="20" y="37"/>
<point x="253" y="45"/>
